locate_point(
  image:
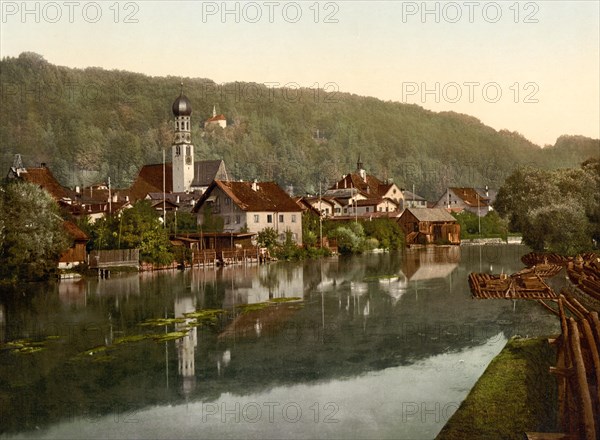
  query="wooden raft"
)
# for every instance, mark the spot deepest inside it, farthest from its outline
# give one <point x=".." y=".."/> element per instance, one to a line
<point x="517" y="286"/>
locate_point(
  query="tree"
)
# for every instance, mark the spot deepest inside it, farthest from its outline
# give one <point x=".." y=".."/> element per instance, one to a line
<point x="136" y="228"/>
<point x="267" y="238"/>
<point x="555" y="211"/>
<point x="32" y="236"/>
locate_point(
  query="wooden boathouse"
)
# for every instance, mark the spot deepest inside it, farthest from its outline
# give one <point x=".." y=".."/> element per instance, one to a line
<point x="429" y="226"/>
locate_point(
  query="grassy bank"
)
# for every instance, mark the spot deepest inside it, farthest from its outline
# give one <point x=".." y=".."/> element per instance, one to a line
<point x="515" y="394"/>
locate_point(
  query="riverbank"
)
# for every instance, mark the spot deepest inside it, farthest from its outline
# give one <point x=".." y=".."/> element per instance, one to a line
<point x="515" y="394"/>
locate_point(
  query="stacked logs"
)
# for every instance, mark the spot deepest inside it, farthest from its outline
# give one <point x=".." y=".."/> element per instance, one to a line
<point x="585" y="274"/>
<point x="577" y="368"/>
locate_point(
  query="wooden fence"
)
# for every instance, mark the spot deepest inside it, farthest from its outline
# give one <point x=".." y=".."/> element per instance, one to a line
<point x="114" y="258"/>
<point x="577" y="370"/>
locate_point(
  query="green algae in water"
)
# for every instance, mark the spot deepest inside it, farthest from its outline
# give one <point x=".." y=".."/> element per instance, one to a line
<point x="161" y="322"/>
<point x="284" y="300"/>
<point x="245" y="308"/>
<point x="131" y="338"/>
<point x="169" y="336"/>
<point x="23" y="346"/>
<point x="206" y="314"/>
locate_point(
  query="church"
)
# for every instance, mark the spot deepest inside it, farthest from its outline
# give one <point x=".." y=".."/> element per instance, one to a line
<point x="184" y="179"/>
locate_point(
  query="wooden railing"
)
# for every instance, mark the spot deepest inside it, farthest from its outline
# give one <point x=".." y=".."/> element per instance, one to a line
<point x="114" y="258"/>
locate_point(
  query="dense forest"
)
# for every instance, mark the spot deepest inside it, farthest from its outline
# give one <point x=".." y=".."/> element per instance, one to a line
<point x="91" y="124"/>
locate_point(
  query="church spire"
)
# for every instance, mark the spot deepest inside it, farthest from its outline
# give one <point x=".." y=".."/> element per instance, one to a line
<point x="359" y="164"/>
<point x="214" y="111"/>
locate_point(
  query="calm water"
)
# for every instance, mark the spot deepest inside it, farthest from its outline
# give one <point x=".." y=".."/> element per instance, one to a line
<point x="379" y="346"/>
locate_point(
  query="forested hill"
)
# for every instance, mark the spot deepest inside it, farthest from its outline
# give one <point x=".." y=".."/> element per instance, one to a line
<point x="91" y="124"/>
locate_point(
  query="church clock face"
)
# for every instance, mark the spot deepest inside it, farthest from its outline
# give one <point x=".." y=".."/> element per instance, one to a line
<point x="188" y="160"/>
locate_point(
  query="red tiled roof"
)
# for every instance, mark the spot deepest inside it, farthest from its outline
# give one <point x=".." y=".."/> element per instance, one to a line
<point x="268" y="197"/>
<point x="371" y="186"/>
<point x="470" y="197"/>
<point x="217" y="118"/>
<point x="150" y="179"/>
<point x="74" y="231"/>
<point x="45" y="179"/>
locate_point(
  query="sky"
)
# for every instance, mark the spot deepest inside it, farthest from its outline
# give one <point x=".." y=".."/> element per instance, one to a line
<point x="527" y="66"/>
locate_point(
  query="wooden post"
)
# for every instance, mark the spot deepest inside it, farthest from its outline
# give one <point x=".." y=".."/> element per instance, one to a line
<point x="583" y="390"/>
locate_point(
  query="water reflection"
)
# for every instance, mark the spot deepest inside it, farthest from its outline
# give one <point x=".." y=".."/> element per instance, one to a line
<point x="380" y="317"/>
<point x="186" y="346"/>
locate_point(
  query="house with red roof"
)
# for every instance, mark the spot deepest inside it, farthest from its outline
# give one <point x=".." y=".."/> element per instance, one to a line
<point x="251" y="207"/>
<point x="216" y="120"/>
<point x="362" y="194"/>
<point x="456" y="199"/>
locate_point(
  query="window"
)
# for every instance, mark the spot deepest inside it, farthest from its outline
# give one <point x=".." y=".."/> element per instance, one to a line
<point x="280" y="218"/>
<point x="256" y="218"/>
<point x="269" y="218"/>
<point x="293" y="218"/>
<point x="367" y="209"/>
<point x="187" y="150"/>
<point x="237" y="219"/>
<point x="227" y="201"/>
<point x="227" y="220"/>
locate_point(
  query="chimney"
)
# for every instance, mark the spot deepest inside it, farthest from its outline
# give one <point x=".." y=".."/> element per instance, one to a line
<point x="77" y="189"/>
<point x="43" y="165"/>
<point x="254" y="185"/>
<point x="177" y="199"/>
<point x="114" y="198"/>
<point x="127" y="198"/>
<point x="487" y="191"/>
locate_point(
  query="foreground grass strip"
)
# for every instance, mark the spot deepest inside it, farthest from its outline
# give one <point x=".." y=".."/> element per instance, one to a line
<point x="515" y="394"/>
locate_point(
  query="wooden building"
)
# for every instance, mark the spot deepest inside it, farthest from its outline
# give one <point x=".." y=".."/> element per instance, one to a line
<point x="77" y="253"/>
<point x="429" y="226"/>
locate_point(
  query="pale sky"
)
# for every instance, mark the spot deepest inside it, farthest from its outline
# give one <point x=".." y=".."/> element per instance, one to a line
<point x="531" y="67"/>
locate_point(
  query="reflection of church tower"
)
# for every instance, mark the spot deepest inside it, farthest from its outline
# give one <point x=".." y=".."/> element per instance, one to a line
<point x="182" y="151"/>
<point x="186" y="346"/>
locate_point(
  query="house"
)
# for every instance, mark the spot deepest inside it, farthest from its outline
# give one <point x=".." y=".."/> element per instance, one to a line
<point x="326" y="206"/>
<point x="468" y="199"/>
<point x="429" y="226"/>
<point x="251" y="207"/>
<point x="77" y="253"/>
<point x="412" y="200"/>
<point x="40" y="176"/>
<point x="216" y="120"/>
<point x="359" y="193"/>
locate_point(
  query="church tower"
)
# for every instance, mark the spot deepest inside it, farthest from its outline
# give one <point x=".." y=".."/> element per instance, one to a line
<point x="182" y="151"/>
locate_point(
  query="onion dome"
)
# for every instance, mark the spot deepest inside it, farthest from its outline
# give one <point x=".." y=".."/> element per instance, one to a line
<point x="182" y="106"/>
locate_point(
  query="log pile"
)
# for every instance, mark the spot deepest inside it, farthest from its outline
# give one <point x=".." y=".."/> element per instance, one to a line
<point x="577" y="369"/>
<point x="585" y="274"/>
<point x="517" y="286"/>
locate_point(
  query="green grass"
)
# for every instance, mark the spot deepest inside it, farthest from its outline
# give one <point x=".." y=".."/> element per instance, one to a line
<point x="516" y="394"/>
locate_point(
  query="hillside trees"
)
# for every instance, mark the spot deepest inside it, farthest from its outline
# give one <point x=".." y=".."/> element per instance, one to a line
<point x="91" y="124"/>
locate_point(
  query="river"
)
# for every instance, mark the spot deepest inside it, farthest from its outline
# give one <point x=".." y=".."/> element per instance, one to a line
<point x="373" y="346"/>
